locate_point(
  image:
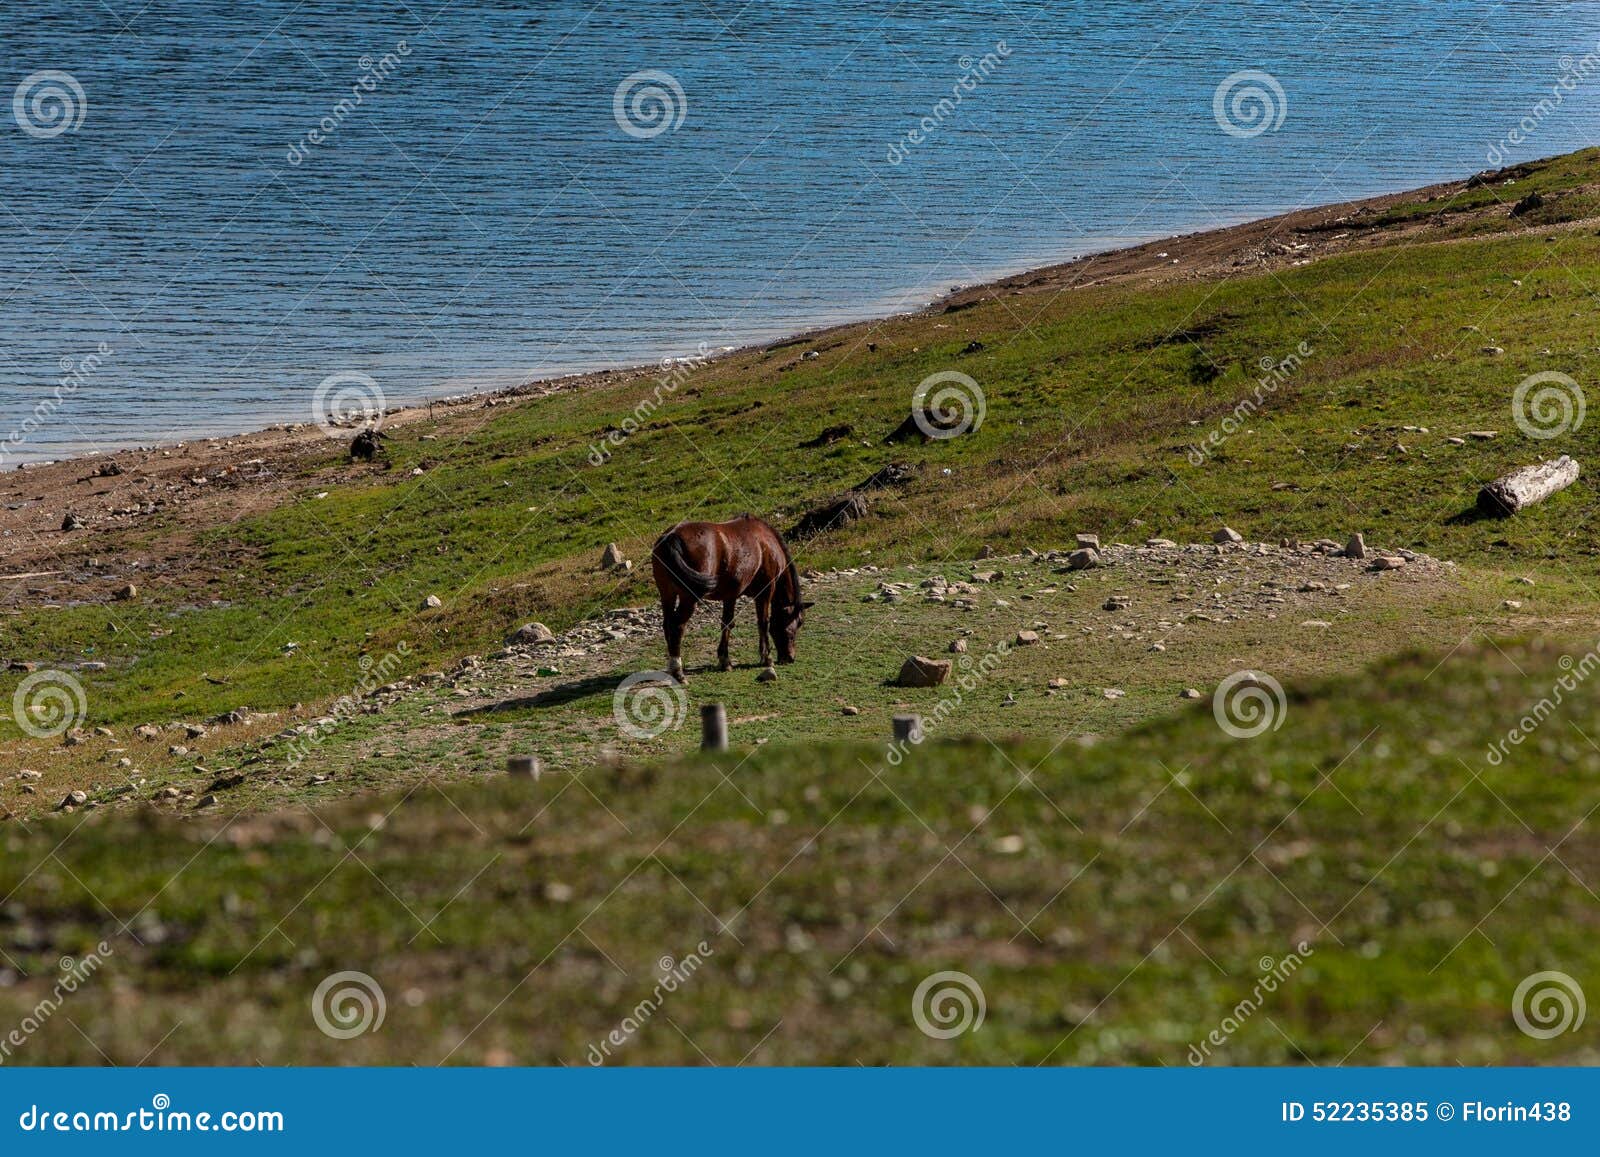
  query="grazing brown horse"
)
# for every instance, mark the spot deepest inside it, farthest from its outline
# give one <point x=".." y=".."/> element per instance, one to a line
<point x="726" y="561"/>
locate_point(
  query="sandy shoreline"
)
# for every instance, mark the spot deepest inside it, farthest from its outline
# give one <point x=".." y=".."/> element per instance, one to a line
<point x="209" y="481"/>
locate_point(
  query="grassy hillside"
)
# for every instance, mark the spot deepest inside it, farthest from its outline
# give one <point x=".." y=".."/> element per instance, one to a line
<point x="1094" y="399"/>
<point x="1114" y="901"/>
<point x="1112" y="867"/>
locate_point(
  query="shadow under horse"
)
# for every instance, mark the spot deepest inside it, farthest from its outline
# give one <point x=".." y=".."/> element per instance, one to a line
<point x="726" y="561"/>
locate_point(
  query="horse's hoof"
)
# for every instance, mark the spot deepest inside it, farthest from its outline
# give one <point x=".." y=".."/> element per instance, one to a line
<point x="768" y="675"/>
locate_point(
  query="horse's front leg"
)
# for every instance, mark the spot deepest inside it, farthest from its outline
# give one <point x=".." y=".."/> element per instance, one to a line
<point x="724" y="660"/>
<point x="763" y="621"/>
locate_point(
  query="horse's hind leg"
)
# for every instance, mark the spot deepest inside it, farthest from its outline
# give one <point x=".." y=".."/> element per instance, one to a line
<point x="674" y="618"/>
<point x="724" y="660"/>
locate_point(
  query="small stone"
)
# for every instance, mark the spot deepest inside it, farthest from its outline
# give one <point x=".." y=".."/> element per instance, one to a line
<point x="1087" y="541"/>
<point x="1512" y="605"/>
<point x="1190" y="693"/>
<point x="206" y="801"/>
<point x="557" y="893"/>
<point x="611" y="557"/>
<point x="848" y="710"/>
<point x="1356" y="547"/>
<point x="72" y="799"/>
<point x="1083" y="559"/>
<point x="168" y="793"/>
<point x="123" y="594"/>
<point x="1114" y="692"/>
<point x="1227" y="534"/>
<point x="768" y="675"/>
<point x="1009" y="845"/>
<point x="1059" y="684"/>
<point x="1388" y="562"/>
<point x="1492" y="351"/>
<point x="1027" y="638"/>
<point x="147" y="731"/>
<point x="918" y="671"/>
<point x="531" y="633"/>
<point x="1483" y="435"/>
<point x="432" y="602"/>
<point x="958" y="647"/>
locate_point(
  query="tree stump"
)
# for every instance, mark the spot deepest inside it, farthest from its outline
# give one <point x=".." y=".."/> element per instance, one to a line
<point x="1505" y="496"/>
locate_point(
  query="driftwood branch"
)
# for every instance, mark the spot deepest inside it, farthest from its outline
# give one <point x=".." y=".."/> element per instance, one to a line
<point x="1505" y="496"/>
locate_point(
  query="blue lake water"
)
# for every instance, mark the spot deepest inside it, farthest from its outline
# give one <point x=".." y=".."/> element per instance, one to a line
<point x="229" y="224"/>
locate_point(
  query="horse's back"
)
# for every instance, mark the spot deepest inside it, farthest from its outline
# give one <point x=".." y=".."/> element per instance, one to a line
<point x="719" y="560"/>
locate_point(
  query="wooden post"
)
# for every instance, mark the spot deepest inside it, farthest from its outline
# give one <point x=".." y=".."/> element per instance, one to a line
<point x="523" y="765"/>
<point x="908" y="728"/>
<point x="713" y="727"/>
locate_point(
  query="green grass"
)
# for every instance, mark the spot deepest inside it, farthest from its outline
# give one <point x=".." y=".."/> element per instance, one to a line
<point x="1113" y="900"/>
<point x="1111" y="872"/>
<point x="1093" y="398"/>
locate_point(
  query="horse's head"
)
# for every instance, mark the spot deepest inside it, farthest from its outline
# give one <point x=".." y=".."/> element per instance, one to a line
<point x="787" y="620"/>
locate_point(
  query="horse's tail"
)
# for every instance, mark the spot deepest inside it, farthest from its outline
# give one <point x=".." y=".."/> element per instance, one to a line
<point x="673" y="556"/>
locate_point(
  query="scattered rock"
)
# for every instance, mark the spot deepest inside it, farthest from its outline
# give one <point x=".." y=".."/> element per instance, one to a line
<point x="367" y="444"/>
<point x="1528" y="204"/>
<point x="1087" y="541"/>
<point x="72" y="522"/>
<point x="1356" y="547"/>
<point x="918" y="671"/>
<point x="1027" y="638"/>
<point x="830" y="515"/>
<point x="125" y="593"/>
<point x="611" y="557"/>
<point x="531" y="633"/>
<point x="1388" y="562"/>
<point x="1227" y="534"/>
<point x="1083" y="559"/>
<point x="1113" y="692"/>
<point x="768" y="675"/>
<point x="847" y="710"/>
<point x="72" y="799"/>
<point x="432" y="602"/>
<point x="1190" y="693"/>
<point x="959" y="647"/>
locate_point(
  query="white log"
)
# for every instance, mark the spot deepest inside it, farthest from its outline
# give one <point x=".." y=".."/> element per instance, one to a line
<point x="1505" y="496"/>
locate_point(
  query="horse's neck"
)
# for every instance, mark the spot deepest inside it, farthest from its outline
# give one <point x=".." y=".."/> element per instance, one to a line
<point x="789" y="585"/>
